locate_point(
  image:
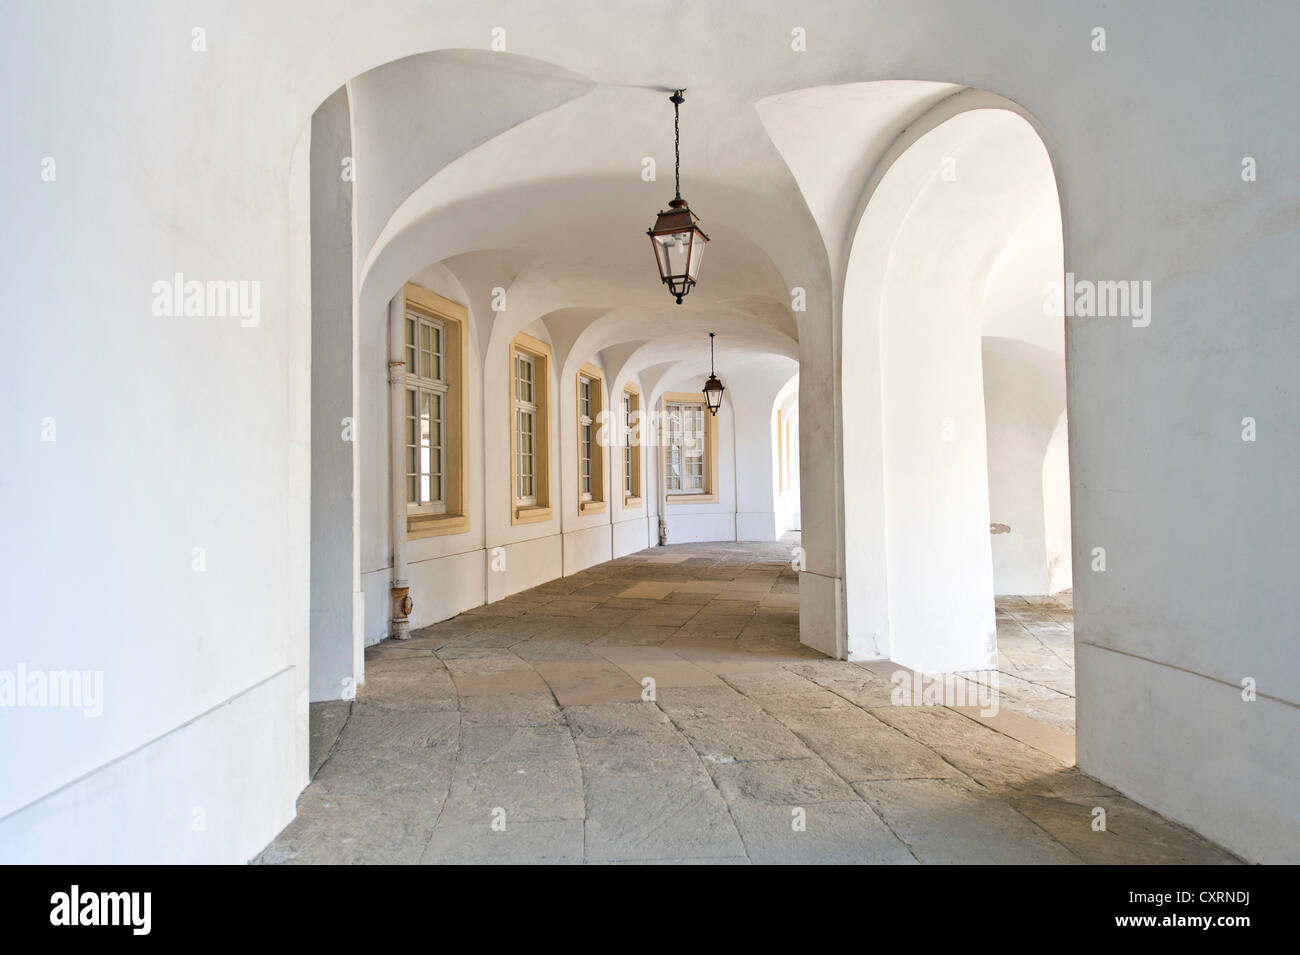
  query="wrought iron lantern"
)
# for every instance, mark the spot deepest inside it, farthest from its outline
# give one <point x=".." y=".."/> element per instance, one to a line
<point x="676" y="237"/>
<point x="713" y="388"/>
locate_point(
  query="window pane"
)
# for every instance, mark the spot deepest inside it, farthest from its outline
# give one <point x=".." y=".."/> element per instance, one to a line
<point x="524" y="378"/>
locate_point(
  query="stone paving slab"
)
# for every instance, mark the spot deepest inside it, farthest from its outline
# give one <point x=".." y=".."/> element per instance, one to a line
<point x="518" y="733"/>
<point x="552" y="842"/>
<point x="657" y="817"/>
<point x="832" y="833"/>
<point x="532" y="791"/>
<point x="946" y="822"/>
<point x="356" y="830"/>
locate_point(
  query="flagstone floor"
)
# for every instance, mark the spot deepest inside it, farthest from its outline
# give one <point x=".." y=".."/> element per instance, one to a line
<point x="659" y="708"/>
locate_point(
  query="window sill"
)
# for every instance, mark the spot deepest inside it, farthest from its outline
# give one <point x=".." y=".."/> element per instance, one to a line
<point x="591" y="507"/>
<point x="529" y="514"/>
<point x="435" y="525"/>
<point x="691" y="499"/>
<point x="631" y="502"/>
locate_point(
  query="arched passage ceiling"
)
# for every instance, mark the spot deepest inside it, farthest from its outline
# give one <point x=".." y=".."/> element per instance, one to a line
<point x="522" y="175"/>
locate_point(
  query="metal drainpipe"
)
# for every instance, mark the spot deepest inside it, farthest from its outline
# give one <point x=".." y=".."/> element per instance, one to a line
<point x="401" y="589"/>
<point x="660" y="490"/>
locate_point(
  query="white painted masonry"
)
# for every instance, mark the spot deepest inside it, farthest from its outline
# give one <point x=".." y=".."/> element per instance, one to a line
<point x="178" y="492"/>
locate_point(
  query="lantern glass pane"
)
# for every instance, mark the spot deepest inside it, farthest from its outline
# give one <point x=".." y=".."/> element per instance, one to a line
<point x="697" y="253"/>
<point x="673" y="249"/>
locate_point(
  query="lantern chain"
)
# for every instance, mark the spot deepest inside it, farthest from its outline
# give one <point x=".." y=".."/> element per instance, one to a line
<point x="677" y="142"/>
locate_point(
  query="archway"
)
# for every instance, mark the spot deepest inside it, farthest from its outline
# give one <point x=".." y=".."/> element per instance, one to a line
<point x="949" y="270"/>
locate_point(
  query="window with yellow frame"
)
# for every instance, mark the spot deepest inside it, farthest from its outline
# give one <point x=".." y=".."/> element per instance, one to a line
<point x="435" y="421"/>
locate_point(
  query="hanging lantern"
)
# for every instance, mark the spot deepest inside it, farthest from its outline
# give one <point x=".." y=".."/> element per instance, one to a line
<point x="713" y="388"/>
<point x="677" y="239"/>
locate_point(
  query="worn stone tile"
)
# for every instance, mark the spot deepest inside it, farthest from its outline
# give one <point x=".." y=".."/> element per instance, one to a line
<point x="649" y="590"/>
<point x="658" y="751"/>
<point x="514" y="709"/>
<point x="665" y="615"/>
<point x="725" y="860"/>
<point x="708" y="703"/>
<point x="325" y="721"/>
<point x="372" y="724"/>
<point x="595" y="681"/>
<point x="566" y="607"/>
<point x="785" y="782"/>
<point x="407" y="679"/>
<point x="527" y="791"/>
<point x="657" y="817"/>
<point x="997" y="762"/>
<point x="634" y="635"/>
<point x="666" y="668"/>
<point x="737" y="741"/>
<point x="720" y="657"/>
<point x="698" y="587"/>
<point x="947" y="822"/>
<point x="1133" y="834"/>
<point x="549" y="842"/>
<point x="859" y="687"/>
<point x="878" y="753"/>
<point x="504" y="742"/>
<point x="384" y="769"/>
<point x="835" y="833"/>
<point x="714" y="625"/>
<point x="499" y="661"/>
<point x="813" y="709"/>
<point x="552" y="649"/>
<point x="503" y="682"/>
<point x="464" y="718"/>
<point x="615" y="719"/>
<point x="386" y="829"/>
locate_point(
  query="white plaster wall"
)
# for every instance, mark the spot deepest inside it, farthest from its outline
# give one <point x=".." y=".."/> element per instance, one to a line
<point x="198" y="428"/>
<point x="233" y="792"/>
<point x="1024" y="399"/>
<point x="1056" y="508"/>
<point x="172" y="434"/>
<point x="586" y="547"/>
<point x="526" y="563"/>
<point x="630" y="536"/>
<point x="446" y="585"/>
<point x="336" y="664"/>
<point x="936" y="476"/>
